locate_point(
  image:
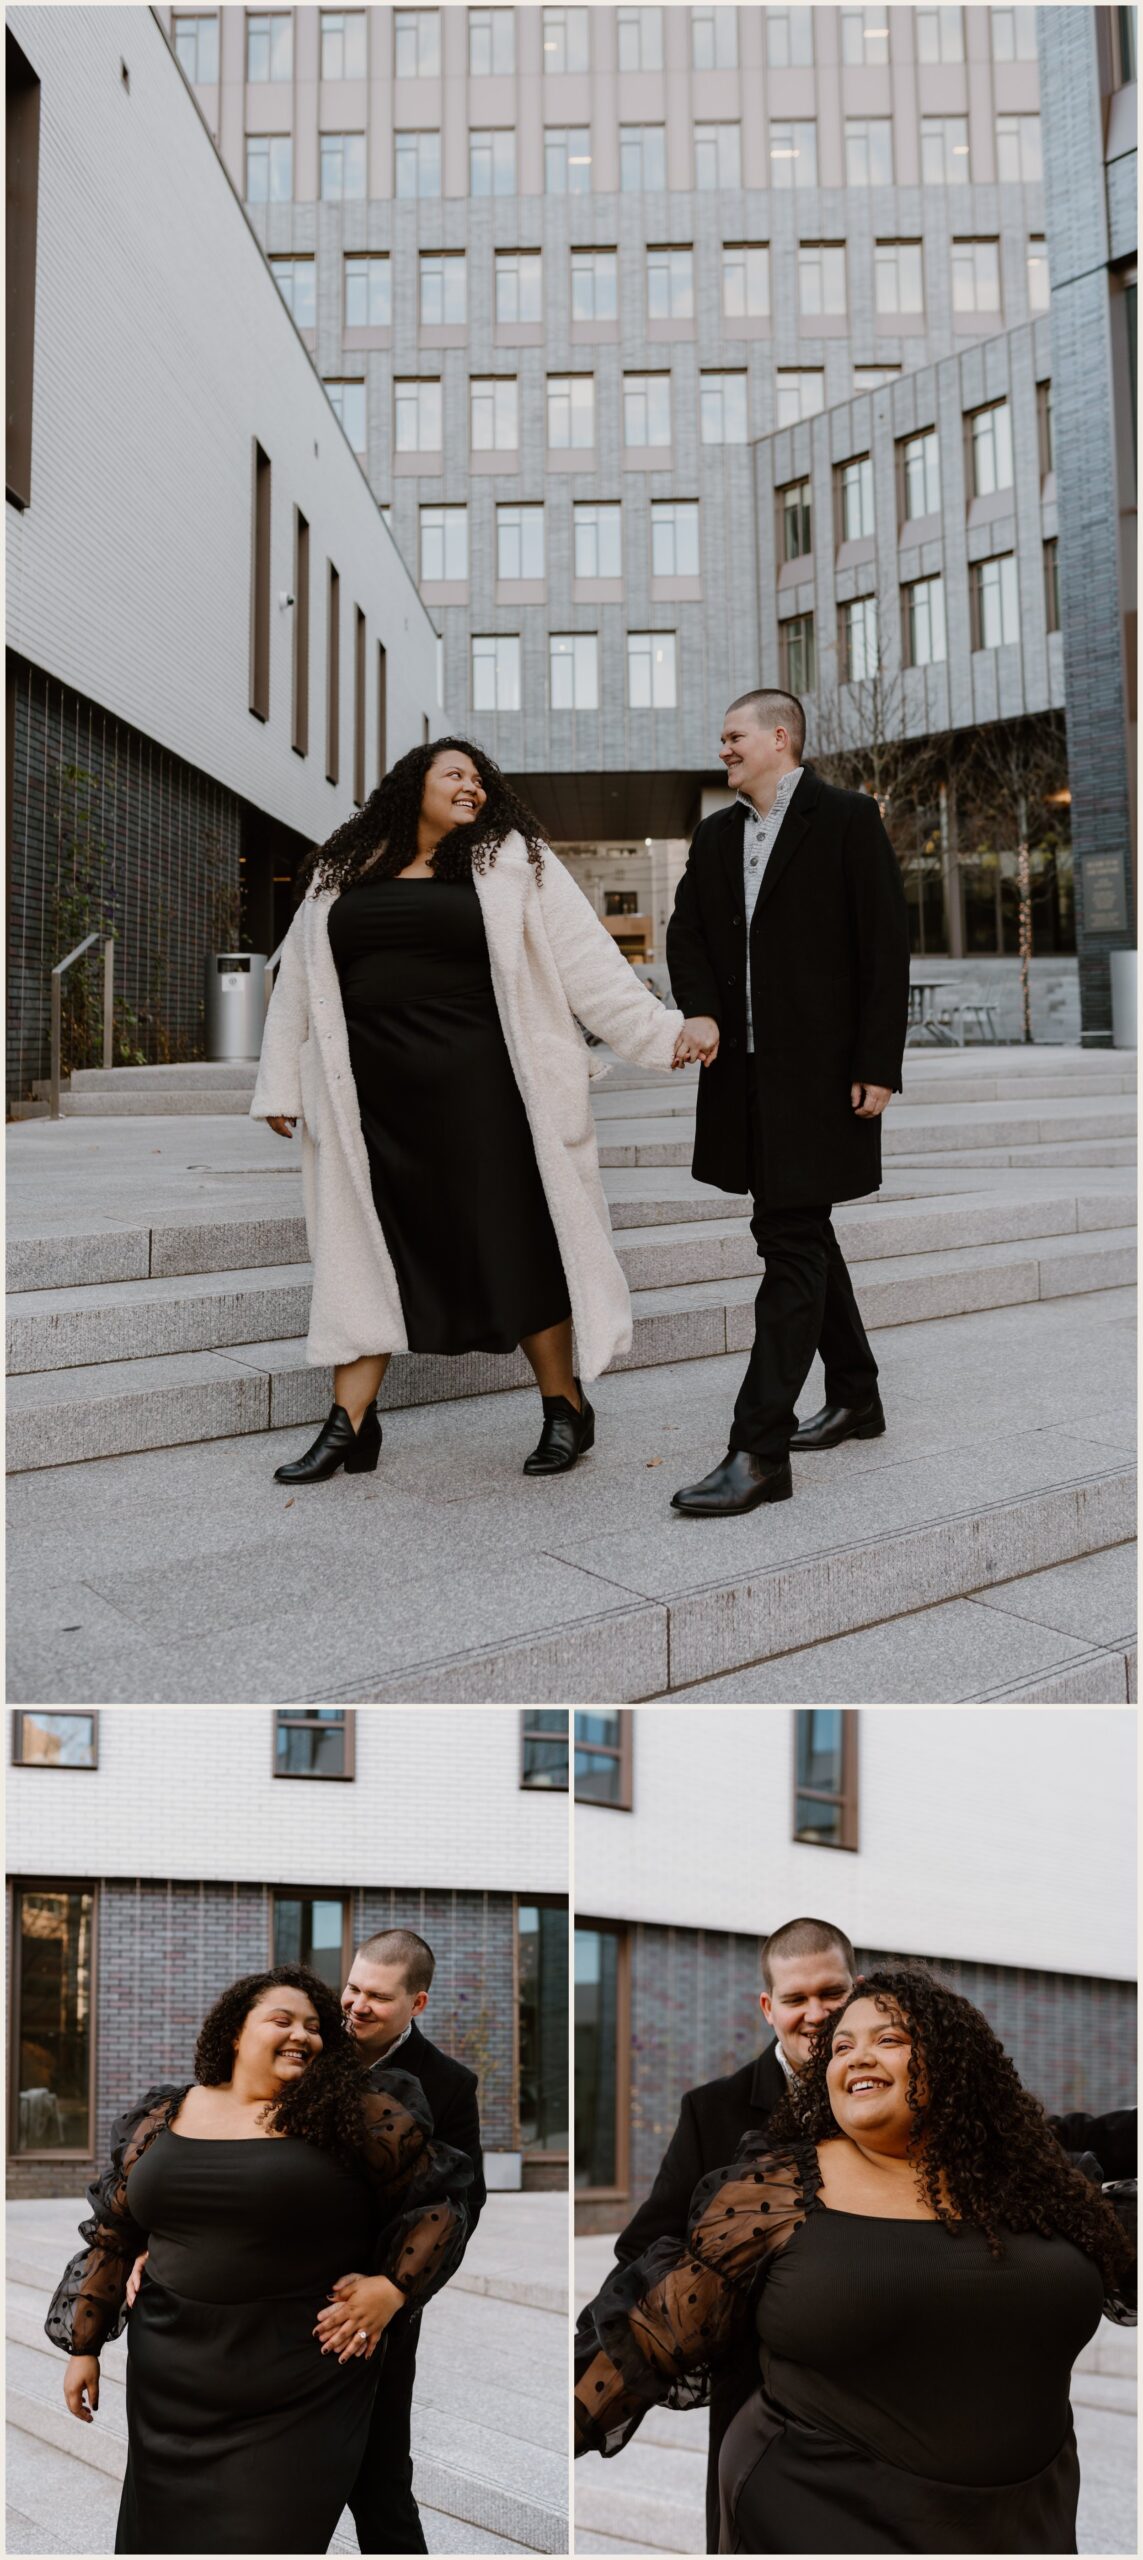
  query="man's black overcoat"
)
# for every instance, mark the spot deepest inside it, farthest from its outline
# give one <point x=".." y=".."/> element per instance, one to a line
<point x="450" y="2088"/>
<point x="829" y="961"/>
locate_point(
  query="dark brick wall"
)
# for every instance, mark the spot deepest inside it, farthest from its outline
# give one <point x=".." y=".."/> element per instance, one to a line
<point x="109" y="829"/>
<point x="472" y="2004"/>
<point x="694" y="2016"/>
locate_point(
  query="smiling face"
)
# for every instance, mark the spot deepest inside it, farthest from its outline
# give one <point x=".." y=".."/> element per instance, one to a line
<point x="453" y="793"/>
<point x="868" y="2076"/>
<point x="377" y="2004"/>
<point x="804" y="1992"/>
<point x="279" y="2038"/>
<point x="755" y="757"/>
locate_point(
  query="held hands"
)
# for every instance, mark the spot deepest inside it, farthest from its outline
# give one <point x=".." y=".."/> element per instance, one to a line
<point x="285" y="1128"/>
<point x="81" y="2387"/>
<point x="357" y="2303"/>
<point x="697" y="1039"/>
<point x="135" y="2279"/>
<point x="869" y="1100"/>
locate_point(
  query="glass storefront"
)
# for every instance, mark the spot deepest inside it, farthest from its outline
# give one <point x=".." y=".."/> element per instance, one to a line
<point x="53" y="1931"/>
<point x="542" y="1973"/>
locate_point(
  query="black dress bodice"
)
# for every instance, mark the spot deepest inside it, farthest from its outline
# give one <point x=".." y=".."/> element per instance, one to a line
<point x="221" y="2215"/>
<point x="396" y="942"/>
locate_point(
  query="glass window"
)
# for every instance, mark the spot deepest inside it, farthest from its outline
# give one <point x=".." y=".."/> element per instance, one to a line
<point x="565" y="40"/>
<point x="722" y="405"/>
<point x="821" y="279"/>
<point x="491" y="163"/>
<point x="825" y="1776"/>
<point x="674" y="538"/>
<point x="799" y="395"/>
<point x="603" y="1736"/>
<point x="417" y="408"/>
<point x="54" y="1742"/>
<point x="995" y="605"/>
<point x="417" y="158"/>
<point x="518" y="295"/>
<point x="898" y="276"/>
<point x="924" y="622"/>
<point x="796" y="655"/>
<point x="1126" y="46"/>
<point x="309" y="1929"/>
<point x="295" y="282"/>
<point x="493" y="413"/>
<point x="574" y="673"/>
<point x="642" y="157"/>
<point x="347" y="401"/>
<point x="1044" y="426"/>
<point x="520" y="546"/>
<point x="793" y="155"/>
<point x="714" y="39"/>
<point x="567" y="160"/>
<point x="444" y="298"/>
<point x="542" y="1974"/>
<point x="367" y="302"/>
<point x="940" y="35"/>
<point x="598" y="541"/>
<point x="544" y="1730"/>
<point x="1039" y="287"/>
<point x="491" y="41"/>
<point x="343" y="44"/>
<point x="855" y="494"/>
<point x="640" y="39"/>
<point x="269" y="168"/>
<point x="417" y="43"/>
<point x="789" y="38"/>
<point x="343" y="167"/>
<point x="870" y="377"/>
<point x="600" y="2062"/>
<point x="1013" y="35"/>
<point x="718" y="156"/>
<point x="496" y="674"/>
<point x="313" y="1742"/>
<point x="1052" y="584"/>
<point x="976" y="275"/>
<point x="857" y="630"/>
<point x="868" y="151"/>
<point x="53" y="1929"/>
<point x="921" y="474"/>
<point x="670" y="284"/>
<point x="595" y="284"/>
<point x="1018" y="154"/>
<point x="991" y="438"/>
<point x="196" y="44"/>
<point x="796" y="520"/>
<point x="651" y="671"/>
<point x="571" y="410"/>
<point x="745" y="280"/>
<point x="444" y="542"/>
<point x="865" y="36"/>
<point x="646" y="408"/>
<point x="270" y="46"/>
<point x="944" y="151"/>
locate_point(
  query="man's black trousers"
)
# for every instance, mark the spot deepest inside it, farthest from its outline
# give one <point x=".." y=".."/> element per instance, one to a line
<point x="805" y="1304"/>
<point x="383" y="2507"/>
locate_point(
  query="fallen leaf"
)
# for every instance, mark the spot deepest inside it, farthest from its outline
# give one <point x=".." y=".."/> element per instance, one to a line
<point x="654" y="1462"/>
<point x="291" y="1502"/>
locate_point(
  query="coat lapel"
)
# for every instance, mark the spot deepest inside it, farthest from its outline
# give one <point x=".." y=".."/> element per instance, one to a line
<point x="791" y="835"/>
<point x="730" y="852"/>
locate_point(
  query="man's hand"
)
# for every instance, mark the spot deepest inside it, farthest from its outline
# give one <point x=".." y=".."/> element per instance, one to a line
<point x="135" y="2279"/>
<point x="81" y="2387"/>
<point x="697" y="1039"/>
<point x="869" y="1100"/>
<point x="357" y="2303"/>
<point x="285" y="1128"/>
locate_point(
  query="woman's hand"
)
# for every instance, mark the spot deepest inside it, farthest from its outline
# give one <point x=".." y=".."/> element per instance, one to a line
<point x="81" y="2387"/>
<point x="357" y="2305"/>
<point x="135" y="2279"/>
<point x="697" y="1039"/>
<point x="285" y="1128"/>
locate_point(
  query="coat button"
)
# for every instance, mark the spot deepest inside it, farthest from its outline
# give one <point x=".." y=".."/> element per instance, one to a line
<point x="732" y="982"/>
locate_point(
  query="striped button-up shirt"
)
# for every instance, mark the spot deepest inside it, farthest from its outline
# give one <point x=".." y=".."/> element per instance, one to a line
<point x="758" y="844"/>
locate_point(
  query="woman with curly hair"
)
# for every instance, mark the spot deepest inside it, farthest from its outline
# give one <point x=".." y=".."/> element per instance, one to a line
<point x="425" y="1028"/>
<point x="252" y="2190"/>
<point x="919" y="2265"/>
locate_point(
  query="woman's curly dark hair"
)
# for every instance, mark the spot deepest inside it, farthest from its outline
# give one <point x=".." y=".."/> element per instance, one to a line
<point x="324" y="2105"/>
<point x="978" y="2134"/>
<point x="389" y="818"/>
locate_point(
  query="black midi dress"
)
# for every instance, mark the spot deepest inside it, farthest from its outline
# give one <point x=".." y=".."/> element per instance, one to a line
<point x="242" y="2435"/>
<point x="913" y="2390"/>
<point x="453" y="1169"/>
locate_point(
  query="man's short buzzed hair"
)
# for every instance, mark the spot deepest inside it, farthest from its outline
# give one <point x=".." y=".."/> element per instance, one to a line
<point x="403" y="1947"/>
<point x="772" y="706"/>
<point x="806" y="1938"/>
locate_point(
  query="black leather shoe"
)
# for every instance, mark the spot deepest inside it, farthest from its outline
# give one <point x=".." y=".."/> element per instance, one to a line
<point x="337" y="1445"/>
<point x="566" y="1436"/>
<point x="739" y="1482"/>
<point x="837" y="1422"/>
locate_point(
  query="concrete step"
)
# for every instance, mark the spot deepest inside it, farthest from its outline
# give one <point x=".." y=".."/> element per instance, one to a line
<point x="153" y="1103"/>
<point x="191" y="1075"/>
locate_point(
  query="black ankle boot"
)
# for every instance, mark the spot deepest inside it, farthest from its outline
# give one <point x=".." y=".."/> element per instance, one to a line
<point x="337" y="1445"/>
<point x="566" y="1436"/>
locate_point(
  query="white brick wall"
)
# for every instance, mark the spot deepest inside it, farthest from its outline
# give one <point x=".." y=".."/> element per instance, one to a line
<point x="188" y="1791"/>
<point x="1005" y="1836"/>
<point x="162" y="348"/>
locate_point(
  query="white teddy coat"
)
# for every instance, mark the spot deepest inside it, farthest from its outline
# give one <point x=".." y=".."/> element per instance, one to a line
<point x="550" y="957"/>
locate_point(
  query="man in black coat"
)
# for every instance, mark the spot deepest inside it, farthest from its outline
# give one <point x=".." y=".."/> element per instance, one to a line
<point x="788" y="951"/>
<point x="388" y="1987"/>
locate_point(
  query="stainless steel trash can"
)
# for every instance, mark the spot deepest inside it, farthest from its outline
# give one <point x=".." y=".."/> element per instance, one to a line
<point x="235" y="1003"/>
<point x="1124" y="999"/>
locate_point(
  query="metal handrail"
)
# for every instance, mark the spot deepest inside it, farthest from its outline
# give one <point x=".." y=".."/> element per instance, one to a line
<point x="57" y="1010"/>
